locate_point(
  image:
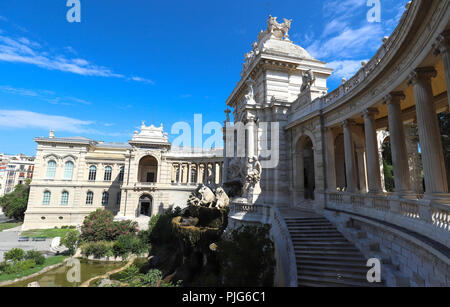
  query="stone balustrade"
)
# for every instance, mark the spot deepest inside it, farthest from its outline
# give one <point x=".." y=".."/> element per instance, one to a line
<point x="287" y="276"/>
<point x="422" y="216"/>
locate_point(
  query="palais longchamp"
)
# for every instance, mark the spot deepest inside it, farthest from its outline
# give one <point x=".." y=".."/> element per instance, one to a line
<point x="329" y="193"/>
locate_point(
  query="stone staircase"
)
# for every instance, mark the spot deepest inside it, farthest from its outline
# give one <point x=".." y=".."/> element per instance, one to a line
<point x="325" y="258"/>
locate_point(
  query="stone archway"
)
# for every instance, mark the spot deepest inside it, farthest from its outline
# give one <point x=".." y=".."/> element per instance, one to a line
<point x="148" y="170"/>
<point x="145" y="207"/>
<point x="304" y="169"/>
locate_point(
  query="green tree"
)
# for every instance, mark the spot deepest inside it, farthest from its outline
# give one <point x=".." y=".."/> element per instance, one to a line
<point x="15" y="204"/>
<point x="71" y="240"/>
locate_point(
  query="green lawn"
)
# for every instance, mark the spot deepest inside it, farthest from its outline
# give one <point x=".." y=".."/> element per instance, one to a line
<point x="48" y="262"/>
<point x="5" y="226"/>
<point x="48" y="233"/>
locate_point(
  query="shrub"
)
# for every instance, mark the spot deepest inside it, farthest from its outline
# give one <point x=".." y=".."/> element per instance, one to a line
<point x="153" y="278"/>
<point x="24" y="265"/>
<point x="17" y="267"/>
<point x="16" y="254"/>
<point x="128" y="244"/>
<point x="4" y="267"/>
<point x="96" y="249"/>
<point x="38" y="258"/>
<point x="100" y="226"/>
<point x="70" y="240"/>
<point x="161" y="232"/>
<point x="247" y="258"/>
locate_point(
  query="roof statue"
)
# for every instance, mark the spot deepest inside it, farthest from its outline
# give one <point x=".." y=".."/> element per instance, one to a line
<point x="308" y="79"/>
<point x="274" y="40"/>
<point x="279" y="30"/>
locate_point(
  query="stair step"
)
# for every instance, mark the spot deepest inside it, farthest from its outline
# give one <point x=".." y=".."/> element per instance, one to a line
<point x="319" y="249"/>
<point x="322" y="244"/>
<point x="338" y="275"/>
<point x="312" y="227"/>
<point x="321" y="268"/>
<point x="317" y="239"/>
<point x="338" y="258"/>
<point x="339" y="253"/>
<point x="316" y="234"/>
<point x="317" y="230"/>
<point x="329" y="263"/>
<point x="309" y="225"/>
<point x="307" y="220"/>
<point x="331" y="282"/>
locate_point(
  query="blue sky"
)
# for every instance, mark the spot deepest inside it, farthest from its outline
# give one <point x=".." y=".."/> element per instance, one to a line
<point x="154" y="61"/>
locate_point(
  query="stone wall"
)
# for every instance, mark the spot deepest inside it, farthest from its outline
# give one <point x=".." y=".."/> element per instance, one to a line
<point x="406" y="260"/>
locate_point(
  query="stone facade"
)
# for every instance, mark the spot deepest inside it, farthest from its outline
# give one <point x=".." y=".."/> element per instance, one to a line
<point x="75" y="176"/>
<point x="329" y="144"/>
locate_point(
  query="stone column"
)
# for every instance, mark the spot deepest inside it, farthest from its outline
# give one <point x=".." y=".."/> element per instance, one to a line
<point x="214" y="172"/>
<point x="331" y="161"/>
<point x="415" y="165"/>
<point x="429" y="132"/>
<point x="250" y="150"/>
<point x="350" y="165"/>
<point x="362" y="173"/>
<point x="373" y="161"/>
<point x="398" y="143"/>
<point x="180" y="179"/>
<point x="189" y="174"/>
<point x="442" y="47"/>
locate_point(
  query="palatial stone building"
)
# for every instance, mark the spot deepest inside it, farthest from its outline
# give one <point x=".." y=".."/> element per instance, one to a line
<point x="75" y="176"/>
<point x="326" y="199"/>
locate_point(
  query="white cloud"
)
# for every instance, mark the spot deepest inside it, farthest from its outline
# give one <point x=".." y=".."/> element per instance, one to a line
<point x="20" y="119"/>
<point x="342" y="7"/>
<point x="139" y="79"/>
<point x="345" y="69"/>
<point x="18" y="91"/>
<point x="348" y="43"/>
<point x="46" y="95"/>
<point x="23" y="50"/>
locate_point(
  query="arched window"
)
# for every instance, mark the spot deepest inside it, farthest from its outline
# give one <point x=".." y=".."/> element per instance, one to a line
<point x="92" y="173"/>
<point x="51" y="169"/>
<point x="108" y="173"/>
<point x="47" y="196"/>
<point x="68" y="170"/>
<point x="122" y="173"/>
<point x="105" y="198"/>
<point x="64" y="198"/>
<point x="89" y="198"/>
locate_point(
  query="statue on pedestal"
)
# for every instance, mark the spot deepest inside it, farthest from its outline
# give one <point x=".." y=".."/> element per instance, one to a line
<point x="252" y="174"/>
